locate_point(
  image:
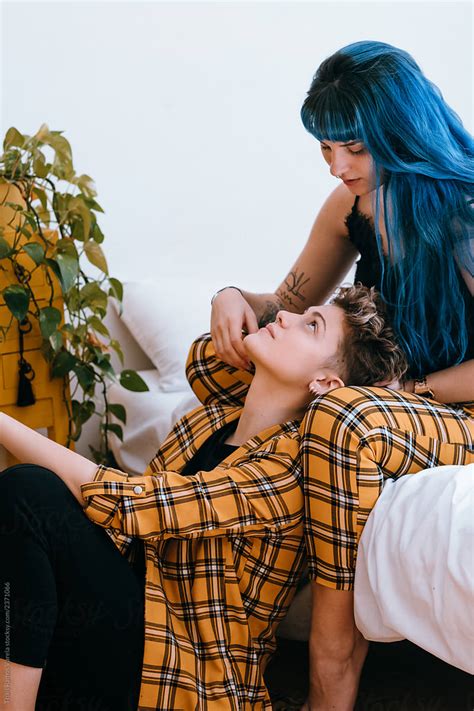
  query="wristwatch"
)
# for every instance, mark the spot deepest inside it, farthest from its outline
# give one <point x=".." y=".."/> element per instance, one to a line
<point x="422" y="388"/>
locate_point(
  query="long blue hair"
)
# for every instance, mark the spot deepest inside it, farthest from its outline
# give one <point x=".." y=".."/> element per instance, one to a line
<point x="373" y="92"/>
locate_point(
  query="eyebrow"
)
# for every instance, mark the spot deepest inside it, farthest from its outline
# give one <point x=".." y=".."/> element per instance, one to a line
<point x="318" y="314"/>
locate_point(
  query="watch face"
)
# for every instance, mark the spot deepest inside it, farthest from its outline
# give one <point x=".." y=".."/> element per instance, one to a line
<point x="422" y="388"/>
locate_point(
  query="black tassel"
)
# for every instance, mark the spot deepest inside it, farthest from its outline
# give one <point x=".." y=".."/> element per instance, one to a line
<point x="25" y="391"/>
<point x="26" y="373"/>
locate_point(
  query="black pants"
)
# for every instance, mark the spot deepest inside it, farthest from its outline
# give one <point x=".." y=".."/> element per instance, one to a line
<point x="74" y="604"/>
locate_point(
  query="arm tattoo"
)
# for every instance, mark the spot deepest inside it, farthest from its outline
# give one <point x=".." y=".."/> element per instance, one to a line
<point x="292" y="296"/>
<point x="270" y="311"/>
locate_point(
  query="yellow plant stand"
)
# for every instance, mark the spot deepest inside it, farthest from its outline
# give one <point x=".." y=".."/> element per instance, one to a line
<point x="49" y="412"/>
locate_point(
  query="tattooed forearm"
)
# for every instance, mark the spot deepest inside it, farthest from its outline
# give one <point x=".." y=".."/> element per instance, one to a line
<point x="270" y="311"/>
<point x="291" y="295"/>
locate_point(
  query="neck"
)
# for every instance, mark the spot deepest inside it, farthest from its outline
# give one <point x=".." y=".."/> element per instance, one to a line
<point x="265" y="407"/>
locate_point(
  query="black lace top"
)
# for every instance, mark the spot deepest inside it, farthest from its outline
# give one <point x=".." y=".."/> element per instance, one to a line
<point x="368" y="271"/>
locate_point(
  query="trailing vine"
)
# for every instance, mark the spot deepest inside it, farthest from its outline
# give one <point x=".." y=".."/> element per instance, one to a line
<point x="49" y="225"/>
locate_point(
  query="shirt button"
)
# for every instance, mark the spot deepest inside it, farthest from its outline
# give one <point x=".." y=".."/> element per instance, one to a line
<point x="137" y="489"/>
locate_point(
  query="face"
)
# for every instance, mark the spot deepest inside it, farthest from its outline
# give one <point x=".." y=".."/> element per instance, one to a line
<point x="296" y="348"/>
<point x="352" y="163"/>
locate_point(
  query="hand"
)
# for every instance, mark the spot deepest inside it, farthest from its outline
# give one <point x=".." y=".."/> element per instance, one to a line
<point x="230" y="315"/>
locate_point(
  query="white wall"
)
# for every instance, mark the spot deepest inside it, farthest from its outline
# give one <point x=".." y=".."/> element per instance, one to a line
<point x="187" y="115"/>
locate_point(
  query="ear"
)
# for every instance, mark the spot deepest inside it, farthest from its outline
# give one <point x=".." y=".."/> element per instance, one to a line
<point x="323" y="385"/>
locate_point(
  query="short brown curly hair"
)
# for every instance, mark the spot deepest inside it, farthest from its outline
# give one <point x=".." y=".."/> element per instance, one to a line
<point x="369" y="351"/>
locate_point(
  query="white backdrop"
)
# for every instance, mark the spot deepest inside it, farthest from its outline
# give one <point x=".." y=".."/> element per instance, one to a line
<point x="187" y="116"/>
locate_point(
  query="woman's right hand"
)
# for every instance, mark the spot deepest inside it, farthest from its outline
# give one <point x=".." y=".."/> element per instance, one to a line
<point x="230" y="315"/>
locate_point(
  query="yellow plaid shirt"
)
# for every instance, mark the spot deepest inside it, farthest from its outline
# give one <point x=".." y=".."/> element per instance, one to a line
<point x="224" y="551"/>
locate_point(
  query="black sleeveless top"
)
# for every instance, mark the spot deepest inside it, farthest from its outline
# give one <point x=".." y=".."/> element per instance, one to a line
<point x="369" y="273"/>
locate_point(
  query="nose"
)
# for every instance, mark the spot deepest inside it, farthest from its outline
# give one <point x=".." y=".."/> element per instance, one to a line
<point x="339" y="165"/>
<point x="285" y="318"/>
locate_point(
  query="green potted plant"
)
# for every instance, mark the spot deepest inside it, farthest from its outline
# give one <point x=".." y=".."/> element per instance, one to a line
<point x="50" y="227"/>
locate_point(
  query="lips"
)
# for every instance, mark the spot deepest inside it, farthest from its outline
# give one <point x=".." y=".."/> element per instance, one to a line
<point x="270" y="328"/>
<point x="350" y="182"/>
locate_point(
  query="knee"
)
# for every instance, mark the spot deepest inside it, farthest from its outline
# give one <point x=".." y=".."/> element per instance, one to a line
<point x="28" y="481"/>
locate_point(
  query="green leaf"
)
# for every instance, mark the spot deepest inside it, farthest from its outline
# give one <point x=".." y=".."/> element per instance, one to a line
<point x="26" y="232"/>
<point x="67" y="246"/>
<point x="116" y="288"/>
<point x="116" y="347"/>
<point x="62" y="165"/>
<point x="35" y="250"/>
<point x="130" y="380"/>
<point x="92" y="295"/>
<point x="56" y="341"/>
<point x="13" y="138"/>
<point x="68" y="269"/>
<point x="40" y="195"/>
<point x="98" y="325"/>
<point x="86" y="185"/>
<point x="49" y="319"/>
<point x="63" y="363"/>
<point x="97" y="234"/>
<point x="78" y="207"/>
<point x="116" y="429"/>
<point x="96" y="256"/>
<point x="77" y="229"/>
<point x="17" y="299"/>
<point x="93" y="204"/>
<point x="43" y="134"/>
<point x="47" y="351"/>
<point x="54" y="266"/>
<point x="72" y="299"/>
<point x="5" y="248"/>
<point x="85" y="375"/>
<point x="103" y="362"/>
<point x="82" y="411"/>
<point x="118" y="411"/>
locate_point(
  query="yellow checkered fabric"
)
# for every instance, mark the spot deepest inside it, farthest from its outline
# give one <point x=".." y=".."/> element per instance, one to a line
<point x="351" y="440"/>
<point x="224" y="552"/>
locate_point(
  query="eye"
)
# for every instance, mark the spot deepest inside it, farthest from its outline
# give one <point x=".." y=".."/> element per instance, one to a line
<point x="356" y="153"/>
<point x="325" y="148"/>
<point x="313" y="326"/>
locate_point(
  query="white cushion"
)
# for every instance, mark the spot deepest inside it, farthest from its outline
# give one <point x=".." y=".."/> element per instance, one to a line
<point x="164" y="317"/>
<point x="415" y="565"/>
<point x="150" y="417"/>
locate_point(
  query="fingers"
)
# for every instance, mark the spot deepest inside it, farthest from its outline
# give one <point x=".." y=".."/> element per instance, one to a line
<point x="251" y="322"/>
<point x="230" y="315"/>
<point x="230" y="347"/>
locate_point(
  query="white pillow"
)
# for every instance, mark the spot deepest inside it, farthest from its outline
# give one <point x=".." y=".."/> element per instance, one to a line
<point x="150" y="417"/>
<point x="164" y="317"/>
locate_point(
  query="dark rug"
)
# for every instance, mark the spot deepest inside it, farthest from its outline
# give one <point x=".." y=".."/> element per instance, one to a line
<point x="396" y="677"/>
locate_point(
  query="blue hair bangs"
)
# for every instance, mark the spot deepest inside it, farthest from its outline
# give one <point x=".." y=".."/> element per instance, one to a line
<point x="331" y="115"/>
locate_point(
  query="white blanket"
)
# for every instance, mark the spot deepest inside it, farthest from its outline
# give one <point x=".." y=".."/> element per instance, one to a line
<point x="415" y="565"/>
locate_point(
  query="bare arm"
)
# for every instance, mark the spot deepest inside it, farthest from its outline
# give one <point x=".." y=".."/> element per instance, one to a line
<point x="455" y="384"/>
<point x="337" y="651"/>
<point x="27" y="445"/>
<point x="320" y="268"/>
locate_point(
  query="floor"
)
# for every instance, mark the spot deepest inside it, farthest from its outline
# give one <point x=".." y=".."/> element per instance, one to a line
<point x="396" y="677"/>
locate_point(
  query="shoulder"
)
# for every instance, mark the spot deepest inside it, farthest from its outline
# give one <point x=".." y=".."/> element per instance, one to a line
<point x="335" y="210"/>
<point x="339" y="202"/>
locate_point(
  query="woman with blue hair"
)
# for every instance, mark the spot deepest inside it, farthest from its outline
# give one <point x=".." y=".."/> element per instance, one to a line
<point x="405" y="207"/>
